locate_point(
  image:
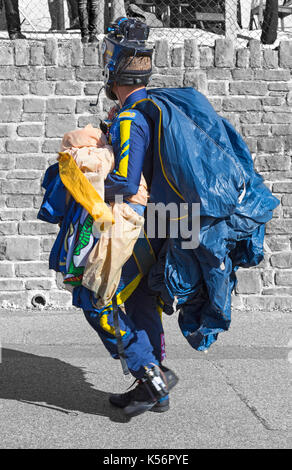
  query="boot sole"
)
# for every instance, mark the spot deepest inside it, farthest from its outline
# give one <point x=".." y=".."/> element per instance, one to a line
<point x="160" y="409"/>
<point x="157" y="408"/>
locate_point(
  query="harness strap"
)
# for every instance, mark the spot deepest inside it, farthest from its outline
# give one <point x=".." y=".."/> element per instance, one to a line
<point x="118" y="335"/>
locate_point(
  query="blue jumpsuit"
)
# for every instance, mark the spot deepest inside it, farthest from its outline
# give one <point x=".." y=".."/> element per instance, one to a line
<point x="141" y="326"/>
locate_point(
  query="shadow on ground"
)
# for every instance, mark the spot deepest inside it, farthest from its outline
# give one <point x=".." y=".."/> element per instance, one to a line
<point x="52" y="383"/>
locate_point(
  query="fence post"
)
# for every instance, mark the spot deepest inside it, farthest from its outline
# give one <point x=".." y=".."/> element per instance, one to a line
<point x="231" y="27"/>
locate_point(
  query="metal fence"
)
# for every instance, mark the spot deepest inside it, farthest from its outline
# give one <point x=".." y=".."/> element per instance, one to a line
<point x="176" y="20"/>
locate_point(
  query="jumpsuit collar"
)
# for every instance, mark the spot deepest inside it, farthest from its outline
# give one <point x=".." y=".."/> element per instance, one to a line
<point x="136" y="96"/>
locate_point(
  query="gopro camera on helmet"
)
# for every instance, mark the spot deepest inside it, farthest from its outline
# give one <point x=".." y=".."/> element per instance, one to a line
<point x="130" y="29"/>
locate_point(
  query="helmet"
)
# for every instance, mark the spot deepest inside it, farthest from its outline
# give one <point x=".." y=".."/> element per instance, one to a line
<point x="126" y="59"/>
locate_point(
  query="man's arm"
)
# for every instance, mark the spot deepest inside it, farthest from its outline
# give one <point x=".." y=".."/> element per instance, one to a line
<point x="130" y="151"/>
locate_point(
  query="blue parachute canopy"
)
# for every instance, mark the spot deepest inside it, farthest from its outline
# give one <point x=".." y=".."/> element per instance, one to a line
<point x="200" y="158"/>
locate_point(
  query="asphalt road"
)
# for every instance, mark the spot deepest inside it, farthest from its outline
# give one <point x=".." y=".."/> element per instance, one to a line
<point x="55" y="377"/>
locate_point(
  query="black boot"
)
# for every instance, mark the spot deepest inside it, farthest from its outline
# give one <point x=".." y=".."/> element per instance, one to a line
<point x="75" y="25"/>
<point x="85" y="38"/>
<point x="151" y="393"/>
<point x="121" y="400"/>
<point x="16" y="35"/>
<point x="13" y="20"/>
<point x="93" y="39"/>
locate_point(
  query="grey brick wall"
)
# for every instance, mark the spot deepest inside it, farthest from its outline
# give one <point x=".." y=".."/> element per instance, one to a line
<point x="46" y="88"/>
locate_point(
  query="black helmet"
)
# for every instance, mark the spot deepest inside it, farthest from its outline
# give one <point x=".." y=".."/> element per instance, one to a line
<point x="126" y="59"/>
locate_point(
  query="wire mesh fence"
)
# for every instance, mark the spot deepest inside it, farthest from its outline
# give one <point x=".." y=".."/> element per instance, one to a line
<point x="175" y="20"/>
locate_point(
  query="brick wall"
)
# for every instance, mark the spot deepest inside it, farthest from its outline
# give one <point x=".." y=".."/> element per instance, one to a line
<point x="46" y="88"/>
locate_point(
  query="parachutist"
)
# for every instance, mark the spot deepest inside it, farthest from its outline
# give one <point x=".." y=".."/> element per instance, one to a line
<point x="170" y="147"/>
